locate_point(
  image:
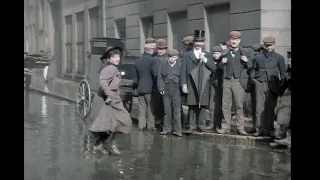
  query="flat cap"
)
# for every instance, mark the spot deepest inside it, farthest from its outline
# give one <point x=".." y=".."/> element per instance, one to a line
<point x="269" y="40"/>
<point x="187" y="39"/>
<point x="256" y="47"/>
<point x="150" y="40"/>
<point x="172" y="52"/>
<point x="235" y="34"/>
<point x="150" y="46"/>
<point x="216" y="49"/>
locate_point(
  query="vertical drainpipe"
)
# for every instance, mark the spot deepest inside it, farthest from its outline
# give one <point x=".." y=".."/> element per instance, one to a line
<point x="36" y="22"/>
<point x="86" y="38"/>
<point x="103" y="15"/>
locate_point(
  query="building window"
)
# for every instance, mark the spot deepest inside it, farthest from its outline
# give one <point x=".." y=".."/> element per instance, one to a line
<point x="146" y="30"/>
<point x="68" y="43"/>
<point x="120" y="29"/>
<point x="94" y="23"/>
<point x="217" y="19"/>
<point x="147" y="27"/>
<point x="80" y="43"/>
<point x="179" y="27"/>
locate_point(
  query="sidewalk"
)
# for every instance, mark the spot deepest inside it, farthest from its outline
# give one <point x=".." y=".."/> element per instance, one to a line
<point x="68" y="90"/>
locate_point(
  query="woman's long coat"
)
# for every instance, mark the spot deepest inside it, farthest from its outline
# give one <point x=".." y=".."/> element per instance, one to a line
<point x="109" y="117"/>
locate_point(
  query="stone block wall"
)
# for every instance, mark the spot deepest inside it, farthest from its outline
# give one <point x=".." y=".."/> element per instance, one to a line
<point x="255" y="19"/>
<point x="276" y="22"/>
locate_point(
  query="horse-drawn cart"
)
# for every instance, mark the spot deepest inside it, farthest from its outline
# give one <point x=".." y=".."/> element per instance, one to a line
<point x="89" y="87"/>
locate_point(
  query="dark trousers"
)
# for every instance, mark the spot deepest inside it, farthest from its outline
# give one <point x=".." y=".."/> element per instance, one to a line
<point x="253" y="105"/>
<point x="216" y="115"/>
<point x="197" y="117"/>
<point x="266" y="102"/>
<point x="145" y="117"/>
<point x="232" y="91"/>
<point x="157" y="105"/>
<point x="184" y="116"/>
<point x="260" y="89"/>
<point x="172" y="111"/>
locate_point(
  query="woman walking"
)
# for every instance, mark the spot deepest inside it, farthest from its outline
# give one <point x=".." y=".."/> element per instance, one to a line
<point x="109" y="117"/>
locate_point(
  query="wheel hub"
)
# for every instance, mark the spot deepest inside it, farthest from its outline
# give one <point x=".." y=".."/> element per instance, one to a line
<point x="83" y="98"/>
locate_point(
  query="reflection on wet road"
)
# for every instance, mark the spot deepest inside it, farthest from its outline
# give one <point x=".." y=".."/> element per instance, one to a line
<point x="58" y="146"/>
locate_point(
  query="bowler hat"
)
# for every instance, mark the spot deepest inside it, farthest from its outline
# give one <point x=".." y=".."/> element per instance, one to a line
<point x="199" y="35"/>
<point x="109" y="48"/>
<point x="161" y="44"/>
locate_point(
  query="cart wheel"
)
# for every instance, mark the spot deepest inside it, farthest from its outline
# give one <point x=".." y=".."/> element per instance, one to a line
<point x="84" y="98"/>
<point x="127" y="103"/>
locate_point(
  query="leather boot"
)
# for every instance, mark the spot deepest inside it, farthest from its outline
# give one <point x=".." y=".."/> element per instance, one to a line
<point x="110" y="146"/>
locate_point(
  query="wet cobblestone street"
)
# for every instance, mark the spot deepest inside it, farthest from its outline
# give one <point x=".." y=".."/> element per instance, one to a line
<point x="57" y="146"/>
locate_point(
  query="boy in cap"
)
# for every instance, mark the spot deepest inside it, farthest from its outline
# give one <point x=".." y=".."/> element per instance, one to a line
<point x="169" y="87"/>
<point x="235" y="82"/>
<point x="196" y="69"/>
<point x="215" y="105"/>
<point x="269" y="70"/>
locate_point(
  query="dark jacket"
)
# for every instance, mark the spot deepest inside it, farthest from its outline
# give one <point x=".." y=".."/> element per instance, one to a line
<point x="169" y="77"/>
<point x="268" y="67"/>
<point x="217" y="77"/>
<point x="237" y="68"/>
<point x="144" y="78"/>
<point x="189" y="63"/>
<point x="158" y="61"/>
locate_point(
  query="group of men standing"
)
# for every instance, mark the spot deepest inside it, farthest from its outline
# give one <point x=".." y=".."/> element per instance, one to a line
<point x="217" y="80"/>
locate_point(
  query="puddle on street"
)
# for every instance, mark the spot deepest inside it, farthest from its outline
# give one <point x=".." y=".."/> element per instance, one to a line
<point x="58" y="146"/>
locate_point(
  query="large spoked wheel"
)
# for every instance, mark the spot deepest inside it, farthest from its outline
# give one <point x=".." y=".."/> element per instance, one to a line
<point x="84" y="99"/>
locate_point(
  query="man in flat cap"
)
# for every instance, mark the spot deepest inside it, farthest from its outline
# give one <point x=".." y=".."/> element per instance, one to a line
<point x="235" y="83"/>
<point x="145" y="84"/>
<point x="215" y="106"/>
<point x="188" y="46"/>
<point x="161" y="56"/>
<point x="150" y="40"/>
<point x="257" y="48"/>
<point x="269" y="70"/>
<point x="196" y="69"/>
<point x="169" y="87"/>
<point x="225" y="45"/>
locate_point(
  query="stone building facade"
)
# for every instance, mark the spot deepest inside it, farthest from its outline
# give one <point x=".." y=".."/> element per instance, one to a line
<point x="66" y="26"/>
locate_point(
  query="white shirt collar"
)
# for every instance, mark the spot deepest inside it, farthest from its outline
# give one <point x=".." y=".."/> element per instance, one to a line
<point x="172" y="64"/>
<point x="197" y="52"/>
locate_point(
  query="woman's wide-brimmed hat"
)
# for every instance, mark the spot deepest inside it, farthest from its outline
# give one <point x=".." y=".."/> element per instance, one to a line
<point x="110" y="48"/>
